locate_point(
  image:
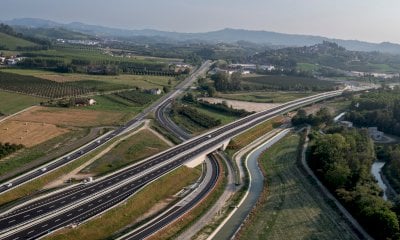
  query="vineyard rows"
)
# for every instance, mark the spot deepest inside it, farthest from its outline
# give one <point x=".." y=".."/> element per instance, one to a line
<point x="39" y="87"/>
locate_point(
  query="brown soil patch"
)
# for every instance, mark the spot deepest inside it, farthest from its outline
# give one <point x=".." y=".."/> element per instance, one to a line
<point x="28" y="133"/>
<point x="70" y="117"/>
<point x="248" y="106"/>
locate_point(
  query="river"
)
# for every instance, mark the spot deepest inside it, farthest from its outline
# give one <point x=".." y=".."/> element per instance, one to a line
<point x="376" y="171"/>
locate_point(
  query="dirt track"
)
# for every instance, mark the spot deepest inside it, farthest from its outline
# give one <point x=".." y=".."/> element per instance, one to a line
<point x="248" y="106"/>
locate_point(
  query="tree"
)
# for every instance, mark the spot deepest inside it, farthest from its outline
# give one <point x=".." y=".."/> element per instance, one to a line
<point x="211" y="91"/>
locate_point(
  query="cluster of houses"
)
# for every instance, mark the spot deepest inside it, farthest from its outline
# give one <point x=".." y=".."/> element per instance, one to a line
<point x="243" y="68"/>
<point x="13" y="60"/>
<point x="79" y="42"/>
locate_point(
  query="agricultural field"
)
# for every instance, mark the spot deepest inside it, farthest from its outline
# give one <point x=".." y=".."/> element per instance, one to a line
<point x="265" y="97"/>
<point x="133" y="149"/>
<point x="287" y="83"/>
<point x="9" y="42"/>
<point x="28" y="133"/>
<point x="38" y="87"/>
<point x="307" y="67"/>
<point x="129" y="81"/>
<point x="13" y="102"/>
<point x="291" y="207"/>
<point x="70" y="117"/>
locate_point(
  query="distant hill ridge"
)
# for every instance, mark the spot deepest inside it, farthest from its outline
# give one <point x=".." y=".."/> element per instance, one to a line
<point x="225" y="35"/>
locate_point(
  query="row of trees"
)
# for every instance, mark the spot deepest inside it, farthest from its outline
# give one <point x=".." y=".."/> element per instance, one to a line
<point x="223" y="82"/>
<point x="322" y="116"/>
<point x="195" y="116"/>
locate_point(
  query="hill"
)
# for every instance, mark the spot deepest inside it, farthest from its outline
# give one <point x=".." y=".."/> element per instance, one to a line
<point x="52" y="33"/>
<point x="225" y="35"/>
<point x="8" y="42"/>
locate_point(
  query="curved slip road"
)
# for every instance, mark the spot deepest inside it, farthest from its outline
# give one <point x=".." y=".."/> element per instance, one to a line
<point x="256" y="186"/>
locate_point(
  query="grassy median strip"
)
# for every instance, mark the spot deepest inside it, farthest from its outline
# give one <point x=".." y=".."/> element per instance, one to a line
<point x="172" y="231"/>
<point x="131" y="150"/>
<point x="117" y="218"/>
<point x="291" y="207"/>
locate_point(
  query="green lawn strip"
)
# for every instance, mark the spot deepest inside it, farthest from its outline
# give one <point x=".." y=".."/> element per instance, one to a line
<point x="173" y="231"/>
<point x="126" y="214"/>
<point x="13" y="102"/>
<point x="131" y="150"/>
<point x="254" y="133"/>
<point x="291" y="207"/>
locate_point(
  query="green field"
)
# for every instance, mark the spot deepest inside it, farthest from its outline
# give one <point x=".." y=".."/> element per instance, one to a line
<point x="133" y="149"/>
<point x="307" y="67"/>
<point x="291" y="207"/>
<point x="13" y="102"/>
<point x="11" y="43"/>
<point x="265" y="97"/>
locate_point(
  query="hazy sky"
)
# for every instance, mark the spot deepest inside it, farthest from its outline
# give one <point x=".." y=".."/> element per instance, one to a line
<point x="370" y="20"/>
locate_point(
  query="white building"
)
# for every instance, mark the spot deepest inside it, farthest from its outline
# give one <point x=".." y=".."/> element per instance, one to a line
<point x="375" y="134"/>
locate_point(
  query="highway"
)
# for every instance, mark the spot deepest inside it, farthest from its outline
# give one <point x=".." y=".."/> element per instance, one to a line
<point x="169" y="160"/>
<point x="179" y="209"/>
<point x="29" y="176"/>
<point x="166" y="122"/>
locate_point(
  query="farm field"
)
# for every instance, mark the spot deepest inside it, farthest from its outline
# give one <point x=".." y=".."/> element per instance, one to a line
<point x="265" y="97"/>
<point x="291" y="207"/>
<point x="28" y="133"/>
<point x="123" y="80"/>
<point x="38" y="86"/>
<point x="71" y="117"/>
<point x="133" y="149"/>
<point x="13" y="102"/>
<point x="11" y="42"/>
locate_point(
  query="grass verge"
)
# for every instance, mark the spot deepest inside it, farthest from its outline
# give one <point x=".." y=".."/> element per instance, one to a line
<point x="252" y="134"/>
<point x="133" y="149"/>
